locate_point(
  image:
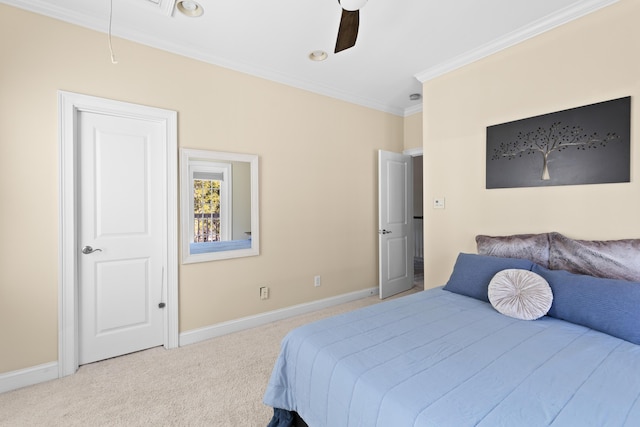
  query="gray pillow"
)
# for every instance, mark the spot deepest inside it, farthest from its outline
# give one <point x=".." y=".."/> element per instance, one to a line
<point x="534" y="247"/>
<point x="612" y="259"/>
<point x="521" y="294"/>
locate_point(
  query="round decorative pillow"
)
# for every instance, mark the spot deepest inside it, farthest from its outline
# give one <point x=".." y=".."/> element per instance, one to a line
<point x="520" y="293"/>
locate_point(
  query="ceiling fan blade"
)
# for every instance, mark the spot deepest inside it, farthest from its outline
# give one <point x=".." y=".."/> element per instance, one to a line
<point x="348" y="31"/>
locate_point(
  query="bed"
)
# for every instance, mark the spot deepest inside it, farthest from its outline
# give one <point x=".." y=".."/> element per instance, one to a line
<point x="219" y="246"/>
<point x="453" y="356"/>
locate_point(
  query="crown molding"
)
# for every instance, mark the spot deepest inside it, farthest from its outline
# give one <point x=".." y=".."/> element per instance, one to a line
<point x="264" y="73"/>
<point x="94" y="23"/>
<point x="550" y="22"/>
<point x="97" y="24"/>
<point x="409" y="111"/>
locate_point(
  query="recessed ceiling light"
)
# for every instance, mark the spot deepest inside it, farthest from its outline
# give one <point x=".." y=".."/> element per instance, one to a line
<point x="190" y="8"/>
<point x="415" y="96"/>
<point x="318" y="55"/>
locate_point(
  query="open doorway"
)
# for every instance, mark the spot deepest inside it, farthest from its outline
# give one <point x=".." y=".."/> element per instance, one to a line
<point x="418" y="219"/>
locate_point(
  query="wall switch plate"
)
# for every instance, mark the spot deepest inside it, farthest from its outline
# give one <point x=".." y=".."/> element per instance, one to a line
<point x="438" y="203"/>
<point x="317" y="281"/>
<point x="264" y="292"/>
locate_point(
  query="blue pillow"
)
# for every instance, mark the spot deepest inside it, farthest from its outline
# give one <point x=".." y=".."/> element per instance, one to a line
<point x="607" y="305"/>
<point x="472" y="273"/>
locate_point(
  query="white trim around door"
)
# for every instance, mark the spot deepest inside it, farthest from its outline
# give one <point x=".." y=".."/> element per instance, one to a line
<point x="413" y="152"/>
<point x="69" y="107"/>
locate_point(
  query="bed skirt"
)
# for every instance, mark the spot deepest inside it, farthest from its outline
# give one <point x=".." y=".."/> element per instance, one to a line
<point x="284" y="418"/>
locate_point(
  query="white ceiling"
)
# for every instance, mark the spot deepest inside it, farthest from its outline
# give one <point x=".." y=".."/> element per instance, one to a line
<point x="401" y="43"/>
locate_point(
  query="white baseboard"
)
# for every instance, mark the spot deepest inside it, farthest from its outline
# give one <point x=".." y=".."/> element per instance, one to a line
<point x="49" y="371"/>
<point x="29" y="376"/>
<point x="196" y="335"/>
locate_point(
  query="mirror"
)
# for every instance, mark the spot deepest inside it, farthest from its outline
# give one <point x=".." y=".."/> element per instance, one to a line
<point x="218" y="205"/>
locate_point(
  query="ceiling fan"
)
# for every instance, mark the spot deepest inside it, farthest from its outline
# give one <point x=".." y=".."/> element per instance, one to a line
<point x="349" y="22"/>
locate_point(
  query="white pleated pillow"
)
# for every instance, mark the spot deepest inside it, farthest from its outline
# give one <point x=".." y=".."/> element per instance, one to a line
<point x="520" y="293"/>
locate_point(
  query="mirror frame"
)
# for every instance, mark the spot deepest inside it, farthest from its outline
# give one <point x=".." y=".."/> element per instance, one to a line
<point x="188" y="155"/>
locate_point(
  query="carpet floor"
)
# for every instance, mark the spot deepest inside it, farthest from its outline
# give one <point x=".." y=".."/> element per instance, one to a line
<point x="218" y="382"/>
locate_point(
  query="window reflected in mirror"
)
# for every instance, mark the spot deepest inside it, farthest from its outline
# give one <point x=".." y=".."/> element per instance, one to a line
<point x="219" y="205"/>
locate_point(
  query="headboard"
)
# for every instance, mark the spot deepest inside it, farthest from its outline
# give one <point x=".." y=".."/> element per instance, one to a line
<point x="613" y="259"/>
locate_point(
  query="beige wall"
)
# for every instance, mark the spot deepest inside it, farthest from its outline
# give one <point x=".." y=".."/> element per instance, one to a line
<point x="317" y="176"/>
<point x="241" y="201"/>
<point x="413" y="140"/>
<point x="413" y="131"/>
<point x="588" y="60"/>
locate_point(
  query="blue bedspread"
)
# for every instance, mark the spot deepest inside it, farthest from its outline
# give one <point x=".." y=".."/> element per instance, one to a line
<point x="223" y="245"/>
<point x="435" y="358"/>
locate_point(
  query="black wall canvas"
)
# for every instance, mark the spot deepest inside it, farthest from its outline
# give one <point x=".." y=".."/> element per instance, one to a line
<point x="584" y="145"/>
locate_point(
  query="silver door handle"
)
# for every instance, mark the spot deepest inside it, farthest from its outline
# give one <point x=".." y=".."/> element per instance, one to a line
<point x="88" y="250"/>
<point x="384" y="232"/>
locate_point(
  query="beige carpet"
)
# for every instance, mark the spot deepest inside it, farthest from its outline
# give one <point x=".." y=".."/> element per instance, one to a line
<point x="218" y="382"/>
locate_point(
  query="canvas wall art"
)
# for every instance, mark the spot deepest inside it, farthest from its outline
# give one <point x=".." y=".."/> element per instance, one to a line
<point x="583" y="145"/>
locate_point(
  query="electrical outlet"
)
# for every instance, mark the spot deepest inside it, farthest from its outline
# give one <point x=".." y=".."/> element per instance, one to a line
<point x="264" y="292"/>
<point x="317" y="281"/>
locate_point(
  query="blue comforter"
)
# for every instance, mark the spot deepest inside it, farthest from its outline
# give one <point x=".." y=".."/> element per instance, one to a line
<point x="220" y="246"/>
<point x="435" y="358"/>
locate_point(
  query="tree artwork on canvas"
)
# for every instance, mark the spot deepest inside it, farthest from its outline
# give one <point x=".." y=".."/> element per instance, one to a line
<point x="556" y="138"/>
<point x="584" y="145"/>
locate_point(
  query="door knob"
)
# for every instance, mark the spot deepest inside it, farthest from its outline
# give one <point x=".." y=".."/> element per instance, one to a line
<point x="384" y="232"/>
<point x="88" y="250"/>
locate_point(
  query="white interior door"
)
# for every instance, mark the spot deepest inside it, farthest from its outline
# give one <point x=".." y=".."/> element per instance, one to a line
<point x="121" y="235"/>
<point x="395" y="219"/>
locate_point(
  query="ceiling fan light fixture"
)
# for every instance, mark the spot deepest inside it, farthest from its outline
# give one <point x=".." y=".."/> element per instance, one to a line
<point x="352" y="5"/>
<point x="318" y="55"/>
<point x="190" y="8"/>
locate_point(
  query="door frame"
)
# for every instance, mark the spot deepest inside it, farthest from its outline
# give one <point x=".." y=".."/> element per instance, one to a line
<point x="69" y="106"/>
